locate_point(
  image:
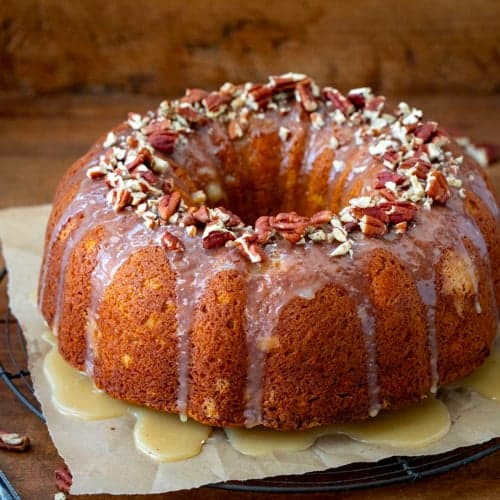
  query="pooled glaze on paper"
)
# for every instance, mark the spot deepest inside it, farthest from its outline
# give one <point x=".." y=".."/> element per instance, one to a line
<point x="486" y="379"/>
<point x="73" y="392"/>
<point x="416" y="427"/>
<point x="161" y="436"/>
<point x="164" y="437"/>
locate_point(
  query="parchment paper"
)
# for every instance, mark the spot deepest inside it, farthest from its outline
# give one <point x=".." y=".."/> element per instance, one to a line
<point x="101" y="454"/>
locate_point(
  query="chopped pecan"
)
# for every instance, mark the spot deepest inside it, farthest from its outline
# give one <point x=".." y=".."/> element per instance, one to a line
<point x="287" y="221"/>
<point x="316" y="120"/>
<point x="110" y="181"/>
<point x="97" y="172"/>
<point x="261" y="94"/>
<point x="194" y="95"/>
<point x="419" y="166"/>
<point x="171" y="242"/>
<point x="290" y="225"/>
<point x="120" y="198"/>
<point x="378" y="213"/>
<point x="187" y="219"/>
<point x="229" y="218"/>
<point x="284" y="83"/>
<point x="157" y="126"/>
<point x="339" y="234"/>
<point x="293" y="236"/>
<point x="437" y="187"/>
<point x="375" y="103"/>
<point x="143" y="184"/>
<point x="387" y="194"/>
<point x="109" y="156"/>
<point x="399" y="211"/>
<point x="322" y="217"/>
<point x="422" y="169"/>
<point x="234" y="129"/>
<point x="371" y="226"/>
<point x="343" y="249"/>
<point x="375" y="212"/>
<point x="255" y="253"/>
<point x="168" y="205"/>
<point x="250" y="237"/>
<point x="391" y="159"/>
<point x="12" y="441"/>
<point x="351" y="226"/>
<point x="306" y="95"/>
<point x="191" y="115"/>
<point x="215" y="101"/>
<point x="147" y="175"/>
<point x="426" y="131"/>
<point x="164" y="141"/>
<point x="358" y="98"/>
<point x="202" y="214"/>
<point x="64" y="479"/>
<point x="386" y="176"/>
<point x="132" y="141"/>
<point x="401" y="227"/>
<point x="250" y="249"/>
<point x="144" y="157"/>
<point x="216" y="239"/>
<point x="338" y="100"/>
<point x="263" y="228"/>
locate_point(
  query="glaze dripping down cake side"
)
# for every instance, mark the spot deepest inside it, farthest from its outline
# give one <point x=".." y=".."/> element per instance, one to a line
<point x="274" y="254"/>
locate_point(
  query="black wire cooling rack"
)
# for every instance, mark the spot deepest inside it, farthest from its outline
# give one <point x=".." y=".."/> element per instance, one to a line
<point x="14" y="372"/>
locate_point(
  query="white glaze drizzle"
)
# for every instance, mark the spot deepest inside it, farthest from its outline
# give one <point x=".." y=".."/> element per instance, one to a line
<point x="358" y="286"/>
<point x="470" y="230"/>
<point x="479" y="240"/>
<point x="367" y="318"/>
<point x="473" y="275"/>
<point x="193" y="271"/>
<point x="427" y="291"/>
<point x="91" y="213"/>
<point x="267" y="294"/>
<point x="262" y="312"/>
<point x="479" y="187"/>
<point x="75" y="206"/>
<point x="126" y="238"/>
<point x="286" y="279"/>
<point x="420" y="261"/>
<point x="434" y="231"/>
<point x="294" y="126"/>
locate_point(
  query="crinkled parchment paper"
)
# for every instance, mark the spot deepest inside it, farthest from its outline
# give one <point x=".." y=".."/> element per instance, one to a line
<point x="101" y="454"/>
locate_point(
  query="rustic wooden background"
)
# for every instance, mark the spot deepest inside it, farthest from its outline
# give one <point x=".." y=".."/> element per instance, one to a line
<point x="161" y="47"/>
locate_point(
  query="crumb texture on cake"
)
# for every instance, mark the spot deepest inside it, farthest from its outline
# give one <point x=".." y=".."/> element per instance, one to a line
<point x="273" y="254"/>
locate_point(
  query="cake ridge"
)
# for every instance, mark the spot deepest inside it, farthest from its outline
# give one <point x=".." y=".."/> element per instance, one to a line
<point x="366" y="315"/>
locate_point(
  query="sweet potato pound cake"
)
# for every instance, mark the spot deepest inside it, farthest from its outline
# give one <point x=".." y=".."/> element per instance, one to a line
<point x="276" y="254"/>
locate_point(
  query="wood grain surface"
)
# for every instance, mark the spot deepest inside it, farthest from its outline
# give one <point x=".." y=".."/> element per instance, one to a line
<point x="39" y="138"/>
<point x="162" y="46"/>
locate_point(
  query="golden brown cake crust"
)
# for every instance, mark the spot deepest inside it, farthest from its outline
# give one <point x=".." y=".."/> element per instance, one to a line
<point x="384" y="287"/>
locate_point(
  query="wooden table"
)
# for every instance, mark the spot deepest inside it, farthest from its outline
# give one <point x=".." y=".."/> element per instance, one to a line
<point x="40" y="137"/>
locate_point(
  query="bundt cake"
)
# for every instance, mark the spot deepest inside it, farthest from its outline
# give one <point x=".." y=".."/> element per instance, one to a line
<point x="274" y="254"/>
